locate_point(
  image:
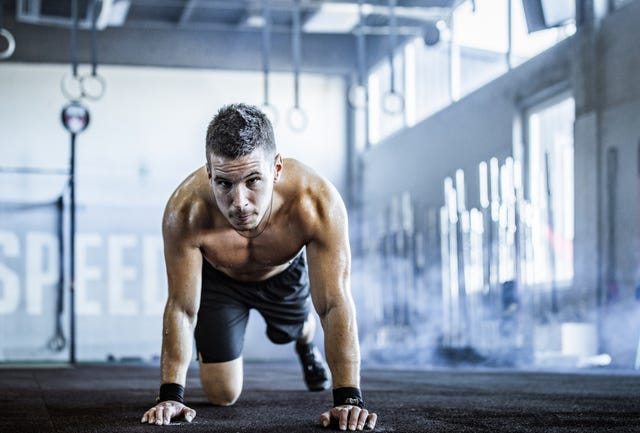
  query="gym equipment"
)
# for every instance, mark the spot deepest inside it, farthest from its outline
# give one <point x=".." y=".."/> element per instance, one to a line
<point x="483" y="184"/>
<point x="11" y="44"/>
<point x="451" y="299"/>
<point x="551" y="235"/>
<point x="481" y="260"/>
<point x="462" y="245"/>
<point x="7" y="36"/>
<point x="91" y="86"/>
<point x="612" y="180"/>
<point x="485" y="253"/>
<point x="357" y="95"/>
<point x="268" y="108"/>
<point x="75" y="118"/>
<point x="445" y="275"/>
<point x="296" y="116"/>
<point x="58" y="342"/>
<point x="494" y="232"/>
<point x="392" y="101"/>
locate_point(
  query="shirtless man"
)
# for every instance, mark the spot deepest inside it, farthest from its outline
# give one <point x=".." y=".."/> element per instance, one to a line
<point x="237" y="234"/>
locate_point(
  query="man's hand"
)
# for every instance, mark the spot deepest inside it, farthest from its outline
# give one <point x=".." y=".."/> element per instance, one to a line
<point x="163" y="412"/>
<point x="349" y="417"/>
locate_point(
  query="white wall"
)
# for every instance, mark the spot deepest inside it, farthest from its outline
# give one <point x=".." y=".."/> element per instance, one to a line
<point x="155" y="119"/>
<point x="145" y="136"/>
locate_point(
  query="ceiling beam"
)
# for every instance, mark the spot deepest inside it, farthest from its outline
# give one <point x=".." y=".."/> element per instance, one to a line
<point x="206" y="49"/>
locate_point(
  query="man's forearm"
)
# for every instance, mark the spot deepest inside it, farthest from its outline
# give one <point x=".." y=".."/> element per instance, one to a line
<point x="177" y="335"/>
<point x="341" y="346"/>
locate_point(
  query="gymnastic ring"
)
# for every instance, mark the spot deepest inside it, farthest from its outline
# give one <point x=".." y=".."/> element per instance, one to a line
<point x="393" y="102"/>
<point x="95" y="88"/>
<point x="271" y="112"/>
<point x="71" y="86"/>
<point x="297" y="119"/>
<point x="11" y="44"/>
<point x="357" y="96"/>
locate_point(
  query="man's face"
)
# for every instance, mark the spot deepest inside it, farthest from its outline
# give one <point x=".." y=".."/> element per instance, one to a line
<point x="243" y="187"/>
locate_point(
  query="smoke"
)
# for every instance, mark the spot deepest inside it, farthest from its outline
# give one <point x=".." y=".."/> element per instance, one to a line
<point x="397" y="284"/>
<point x="620" y="332"/>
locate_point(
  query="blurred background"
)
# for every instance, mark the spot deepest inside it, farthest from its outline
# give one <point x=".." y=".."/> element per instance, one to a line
<point x="488" y="152"/>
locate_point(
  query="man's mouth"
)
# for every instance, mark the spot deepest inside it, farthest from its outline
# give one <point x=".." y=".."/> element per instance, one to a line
<point x="242" y="218"/>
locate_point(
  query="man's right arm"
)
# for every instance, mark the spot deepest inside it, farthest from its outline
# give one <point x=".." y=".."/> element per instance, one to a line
<point x="184" y="266"/>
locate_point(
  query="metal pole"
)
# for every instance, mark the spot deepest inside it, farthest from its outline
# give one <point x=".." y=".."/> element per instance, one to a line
<point x="509" y="34"/>
<point x="72" y="252"/>
<point x="266" y="48"/>
<point x="612" y="174"/>
<point x="445" y="257"/>
<point x="296" y="48"/>
<point x="392" y="44"/>
<point x="552" y="230"/>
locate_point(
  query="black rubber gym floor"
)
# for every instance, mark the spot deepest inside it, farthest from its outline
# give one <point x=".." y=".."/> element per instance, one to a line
<point x="112" y="398"/>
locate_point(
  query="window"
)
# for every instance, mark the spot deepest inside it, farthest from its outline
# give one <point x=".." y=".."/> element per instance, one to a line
<point x="525" y="45"/>
<point x="476" y="49"/>
<point x="429" y="80"/>
<point x="551" y="191"/>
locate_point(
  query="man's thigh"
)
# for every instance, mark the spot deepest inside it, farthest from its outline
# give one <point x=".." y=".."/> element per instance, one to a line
<point x="219" y="332"/>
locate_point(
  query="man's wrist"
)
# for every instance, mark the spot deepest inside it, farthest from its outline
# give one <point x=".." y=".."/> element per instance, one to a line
<point x="171" y="391"/>
<point x="349" y="396"/>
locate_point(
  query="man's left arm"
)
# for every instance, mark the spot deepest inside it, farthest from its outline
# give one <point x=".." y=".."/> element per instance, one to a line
<point x="329" y="259"/>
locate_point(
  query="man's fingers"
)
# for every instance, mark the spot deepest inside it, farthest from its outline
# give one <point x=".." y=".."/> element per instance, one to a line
<point x="159" y="415"/>
<point x="162" y="413"/>
<point x="349" y="418"/>
<point x="361" y="419"/>
<point x="168" y="413"/>
<point x="354" y="416"/>
<point x="147" y="416"/>
<point x="371" y="423"/>
<point x="325" y="419"/>
<point x="188" y="413"/>
<point x="152" y="416"/>
<point x="342" y="415"/>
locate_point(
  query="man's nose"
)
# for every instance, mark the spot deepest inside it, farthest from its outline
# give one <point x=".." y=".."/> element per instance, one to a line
<point x="238" y="197"/>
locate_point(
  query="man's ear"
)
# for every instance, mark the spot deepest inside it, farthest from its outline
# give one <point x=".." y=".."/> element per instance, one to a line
<point x="277" y="167"/>
<point x="208" y="170"/>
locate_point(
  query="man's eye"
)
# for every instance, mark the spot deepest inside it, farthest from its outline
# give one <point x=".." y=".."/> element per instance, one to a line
<point x="253" y="181"/>
<point x="225" y="185"/>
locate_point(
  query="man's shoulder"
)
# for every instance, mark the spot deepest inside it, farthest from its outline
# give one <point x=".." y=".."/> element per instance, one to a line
<point x="188" y="204"/>
<point x="313" y="192"/>
<point x="303" y="177"/>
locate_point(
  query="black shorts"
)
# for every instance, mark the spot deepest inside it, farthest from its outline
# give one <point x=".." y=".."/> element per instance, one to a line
<point x="283" y="301"/>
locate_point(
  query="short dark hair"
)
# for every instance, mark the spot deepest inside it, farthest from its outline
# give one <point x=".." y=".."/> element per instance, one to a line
<point x="237" y="130"/>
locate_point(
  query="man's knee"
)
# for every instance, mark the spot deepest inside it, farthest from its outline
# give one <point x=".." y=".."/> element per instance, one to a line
<point x="222" y="396"/>
<point x="222" y="381"/>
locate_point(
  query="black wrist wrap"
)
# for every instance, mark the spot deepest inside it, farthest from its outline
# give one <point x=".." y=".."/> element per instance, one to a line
<point x="171" y="391"/>
<point x="347" y="395"/>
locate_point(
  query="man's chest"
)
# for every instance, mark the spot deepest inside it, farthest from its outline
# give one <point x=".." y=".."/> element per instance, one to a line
<point x="237" y="255"/>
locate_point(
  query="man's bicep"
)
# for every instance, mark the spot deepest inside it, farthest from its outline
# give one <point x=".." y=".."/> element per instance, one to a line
<point x="329" y="259"/>
<point x="184" y="275"/>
